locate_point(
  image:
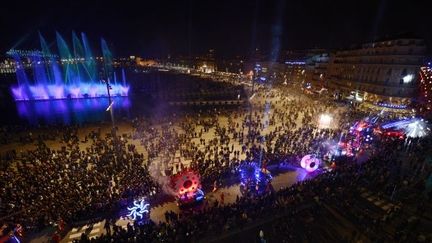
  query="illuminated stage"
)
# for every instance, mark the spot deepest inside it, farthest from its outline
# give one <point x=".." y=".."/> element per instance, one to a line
<point x="73" y="73"/>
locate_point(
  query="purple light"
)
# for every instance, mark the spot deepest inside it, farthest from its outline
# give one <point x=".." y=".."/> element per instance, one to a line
<point x="18" y="92"/>
<point x="70" y="74"/>
<point x="93" y="91"/>
<point x="39" y="92"/>
<point x="68" y="110"/>
<point x="75" y="92"/>
<point x="47" y="92"/>
<point x="56" y="91"/>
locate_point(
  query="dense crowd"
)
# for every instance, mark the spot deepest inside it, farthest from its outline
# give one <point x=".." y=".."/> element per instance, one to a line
<point x="44" y="185"/>
<point x="338" y="189"/>
<point x="89" y="175"/>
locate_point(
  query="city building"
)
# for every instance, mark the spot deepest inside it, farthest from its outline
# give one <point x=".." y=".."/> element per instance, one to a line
<point x="425" y="96"/>
<point x="295" y="65"/>
<point x="206" y="63"/>
<point x="232" y="65"/>
<point x="383" y="73"/>
<point x="270" y="71"/>
<point x="7" y="66"/>
<point x="316" y="70"/>
<point x="294" y="72"/>
<point x="202" y="63"/>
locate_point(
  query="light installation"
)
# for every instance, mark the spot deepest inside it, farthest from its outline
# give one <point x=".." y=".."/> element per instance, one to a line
<point x="417" y="129"/>
<point x="394" y="106"/>
<point x="253" y="178"/>
<point x="413" y="127"/>
<point x="325" y="121"/>
<point x="310" y="163"/>
<point x="139" y="208"/>
<point x="199" y="195"/>
<point x="72" y="73"/>
<point x="187" y="186"/>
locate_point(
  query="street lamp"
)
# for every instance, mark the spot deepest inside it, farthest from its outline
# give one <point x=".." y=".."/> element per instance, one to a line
<point x="108" y="87"/>
<point x="110" y="107"/>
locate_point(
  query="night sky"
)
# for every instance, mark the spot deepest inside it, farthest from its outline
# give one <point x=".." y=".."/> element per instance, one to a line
<point x="159" y="28"/>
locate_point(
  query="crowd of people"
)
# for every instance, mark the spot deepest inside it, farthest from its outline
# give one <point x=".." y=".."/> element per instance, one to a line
<point x="87" y="176"/>
<point x="76" y="181"/>
<point x="289" y="208"/>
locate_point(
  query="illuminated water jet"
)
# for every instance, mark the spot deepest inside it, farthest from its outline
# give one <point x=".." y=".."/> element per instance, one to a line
<point x="72" y="74"/>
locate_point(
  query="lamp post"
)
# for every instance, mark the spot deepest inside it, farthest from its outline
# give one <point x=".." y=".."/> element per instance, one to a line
<point x="111" y="103"/>
<point x="254" y="75"/>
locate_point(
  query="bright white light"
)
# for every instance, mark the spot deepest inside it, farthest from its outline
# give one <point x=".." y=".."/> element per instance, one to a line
<point x="416" y="129"/>
<point x="110" y="106"/>
<point x="408" y="78"/>
<point x="325" y="120"/>
<point x="140" y="207"/>
<point x="413" y="128"/>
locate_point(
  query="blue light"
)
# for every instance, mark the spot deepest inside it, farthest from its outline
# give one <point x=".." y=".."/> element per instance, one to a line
<point x="65" y="76"/>
<point x="200" y="195"/>
<point x="257" y="175"/>
<point x="295" y="63"/>
<point x="398" y="124"/>
<point x="140" y="207"/>
<point x="251" y="172"/>
<point x="16" y="239"/>
<point x="392" y="106"/>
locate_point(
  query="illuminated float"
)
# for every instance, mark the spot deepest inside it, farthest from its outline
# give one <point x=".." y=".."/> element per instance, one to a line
<point x="139" y="211"/>
<point x="187" y="186"/>
<point x="411" y="127"/>
<point x="254" y="179"/>
<point x="310" y="163"/>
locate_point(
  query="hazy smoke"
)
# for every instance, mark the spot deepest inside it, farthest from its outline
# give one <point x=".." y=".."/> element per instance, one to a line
<point x="155" y="171"/>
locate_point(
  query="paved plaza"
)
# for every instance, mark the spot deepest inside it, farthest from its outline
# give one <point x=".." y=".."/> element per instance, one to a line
<point x="269" y="102"/>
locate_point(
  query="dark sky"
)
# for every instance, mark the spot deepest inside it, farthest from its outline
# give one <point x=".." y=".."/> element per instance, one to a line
<point x="157" y="28"/>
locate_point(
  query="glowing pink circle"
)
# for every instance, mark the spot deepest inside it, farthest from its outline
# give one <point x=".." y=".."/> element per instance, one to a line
<point x="310" y="163"/>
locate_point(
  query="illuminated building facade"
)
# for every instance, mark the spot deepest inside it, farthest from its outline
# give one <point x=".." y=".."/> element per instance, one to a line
<point x="206" y="63"/>
<point x="295" y="64"/>
<point x="294" y="72"/>
<point x="7" y="66"/>
<point x="425" y="97"/>
<point x="382" y="73"/>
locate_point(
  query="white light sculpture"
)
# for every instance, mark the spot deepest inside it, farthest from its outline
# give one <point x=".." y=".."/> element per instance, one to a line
<point x="140" y="207"/>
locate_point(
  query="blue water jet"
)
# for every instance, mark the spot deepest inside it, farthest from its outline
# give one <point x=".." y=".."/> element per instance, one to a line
<point x="72" y="73"/>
